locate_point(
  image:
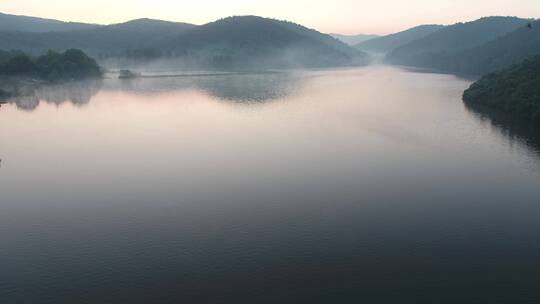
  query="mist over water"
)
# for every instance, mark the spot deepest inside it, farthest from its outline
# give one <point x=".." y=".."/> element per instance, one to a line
<point x="372" y="185"/>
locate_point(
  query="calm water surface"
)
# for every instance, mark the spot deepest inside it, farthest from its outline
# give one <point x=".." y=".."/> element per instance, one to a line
<point x="371" y="185"/>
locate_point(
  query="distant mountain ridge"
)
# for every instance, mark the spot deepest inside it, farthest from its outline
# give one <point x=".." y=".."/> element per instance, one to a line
<point x="107" y="39"/>
<point x="390" y="42"/>
<point x="497" y="54"/>
<point x="431" y="51"/>
<point x="246" y="41"/>
<point x="354" y="39"/>
<point x="39" y="25"/>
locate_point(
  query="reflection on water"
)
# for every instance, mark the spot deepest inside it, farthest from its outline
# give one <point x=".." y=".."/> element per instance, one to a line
<point x="517" y="129"/>
<point x="372" y="185"/>
<point x="78" y="93"/>
<point x="232" y="88"/>
<point x="248" y="88"/>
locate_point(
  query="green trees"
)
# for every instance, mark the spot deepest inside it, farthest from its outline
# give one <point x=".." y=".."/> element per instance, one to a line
<point x="253" y="43"/>
<point x="450" y="48"/>
<point x="242" y="42"/>
<point x="3" y="94"/>
<point x="72" y="64"/>
<point x="515" y="90"/>
<point x="20" y="64"/>
<point x="498" y="54"/>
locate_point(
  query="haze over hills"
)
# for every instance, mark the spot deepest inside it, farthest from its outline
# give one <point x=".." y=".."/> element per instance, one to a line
<point x="246" y="41"/>
<point x="252" y="42"/>
<point x="428" y="51"/>
<point x="354" y="39"/>
<point x="388" y="43"/>
<point x="255" y="41"/>
<point x="32" y="24"/>
<point x="110" y="39"/>
<point x="497" y="54"/>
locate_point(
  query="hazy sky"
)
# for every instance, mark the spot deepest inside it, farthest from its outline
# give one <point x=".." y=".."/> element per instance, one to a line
<point x="341" y="16"/>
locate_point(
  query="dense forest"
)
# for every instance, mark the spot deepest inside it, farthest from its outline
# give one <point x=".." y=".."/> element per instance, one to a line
<point x="255" y="42"/>
<point x="497" y="54"/>
<point x="431" y="51"/>
<point x="250" y="42"/>
<point x="4" y="94"/>
<point x="72" y="64"/>
<point x="513" y="90"/>
<point x="476" y="47"/>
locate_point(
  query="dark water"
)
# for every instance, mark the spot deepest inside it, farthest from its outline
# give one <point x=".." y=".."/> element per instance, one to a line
<point x="373" y="185"/>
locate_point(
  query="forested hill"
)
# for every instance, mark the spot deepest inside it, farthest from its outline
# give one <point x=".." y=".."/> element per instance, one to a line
<point x="510" y="49"/>
<point x="388" y="43"/>
<point x="107" y="40"/>
<point x="431" y="51"/>
<point x="513" y="90"/>
<point x="244" y="42"/>
<point x="33" y="24"/>
<point x="261" y="42"/>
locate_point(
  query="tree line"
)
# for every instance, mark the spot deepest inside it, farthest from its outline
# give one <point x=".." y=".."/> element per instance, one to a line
<point x="73" y="64"/>
<point x="515" y="90"/>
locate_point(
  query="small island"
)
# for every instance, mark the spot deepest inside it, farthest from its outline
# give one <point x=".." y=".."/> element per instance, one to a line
<point x="515" y="90"/>
<point x="19" y="69"/>
<point x="127" y="74"/>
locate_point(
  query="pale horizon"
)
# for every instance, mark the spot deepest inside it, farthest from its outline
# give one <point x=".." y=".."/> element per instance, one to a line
<point x="347" y="17"/>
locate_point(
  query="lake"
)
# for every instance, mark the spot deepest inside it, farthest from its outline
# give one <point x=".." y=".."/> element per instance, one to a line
<point x="366" y="185"/>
